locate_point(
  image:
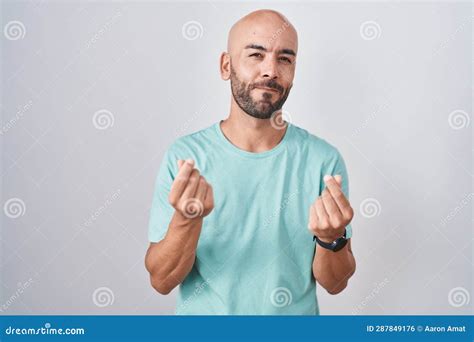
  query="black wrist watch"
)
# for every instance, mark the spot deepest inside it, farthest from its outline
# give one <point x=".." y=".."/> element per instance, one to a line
<point x="334" y="246"/>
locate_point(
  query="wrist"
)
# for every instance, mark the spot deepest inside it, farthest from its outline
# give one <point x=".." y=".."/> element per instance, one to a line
<point x="331" y="239"/>
<point x="186" y="219"/>
<point x="326" y="240"/>
<point x="334" y="245"/>
<point x="185" y="224"/>
<point x="184" y="230"/>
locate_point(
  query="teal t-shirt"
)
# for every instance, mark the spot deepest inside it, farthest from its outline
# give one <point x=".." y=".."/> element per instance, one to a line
<point x="255" y="251"/>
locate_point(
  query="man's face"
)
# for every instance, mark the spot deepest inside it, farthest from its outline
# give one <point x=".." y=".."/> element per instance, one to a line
<point x="256" y="101"/>
<point x="262" y="69"/>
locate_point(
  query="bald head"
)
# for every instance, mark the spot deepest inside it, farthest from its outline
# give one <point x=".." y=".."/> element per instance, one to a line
<point x="266" y="25"/>
<point x="260" y="62"/>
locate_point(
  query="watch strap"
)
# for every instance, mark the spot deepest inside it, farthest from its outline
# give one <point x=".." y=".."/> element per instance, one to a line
<point x="336" y="245"/>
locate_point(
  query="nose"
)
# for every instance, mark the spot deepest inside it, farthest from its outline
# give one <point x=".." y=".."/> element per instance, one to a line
<point x="269" y="68"/>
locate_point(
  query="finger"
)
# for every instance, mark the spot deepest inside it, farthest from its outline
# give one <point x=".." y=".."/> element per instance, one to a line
<point x="180" y="163"/>
<point x="330" y="205"/>
<point x="336" y="218"/>
<point x="183" y="162"/>
<point x="201" y="190"/>
<point x="313" y="217"/>
<point x="194" y="206"/>
<point x="336" y="192"/>
<point x="338" y="179"/>
<point x="323" y="221"/>
<point x="209" y="200"/>
<point x="181" y="180"/>
<point x="191" y="187"/>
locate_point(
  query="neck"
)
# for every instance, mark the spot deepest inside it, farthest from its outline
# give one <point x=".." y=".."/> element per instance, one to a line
<point x="251" y="134"/>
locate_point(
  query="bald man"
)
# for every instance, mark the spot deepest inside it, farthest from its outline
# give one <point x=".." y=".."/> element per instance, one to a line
<point x="249" y="213"/>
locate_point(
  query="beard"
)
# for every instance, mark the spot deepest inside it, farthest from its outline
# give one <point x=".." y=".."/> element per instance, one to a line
<point x="262" y="108"/>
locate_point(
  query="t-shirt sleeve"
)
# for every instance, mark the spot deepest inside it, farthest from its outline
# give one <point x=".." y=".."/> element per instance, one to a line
<point x="337" y="166"/>
<point x="161" y="210"/>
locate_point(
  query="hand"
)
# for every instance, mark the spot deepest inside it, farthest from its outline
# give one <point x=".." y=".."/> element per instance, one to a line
<point x="331" y="212"/>
<point x="190" y="193"/>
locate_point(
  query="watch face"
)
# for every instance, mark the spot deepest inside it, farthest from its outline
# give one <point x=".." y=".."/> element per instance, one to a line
<point x="340" y="243"/>
<point x="334" y="246"/>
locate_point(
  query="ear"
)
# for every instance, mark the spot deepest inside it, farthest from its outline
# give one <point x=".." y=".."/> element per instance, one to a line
<point x="225" y="66"/>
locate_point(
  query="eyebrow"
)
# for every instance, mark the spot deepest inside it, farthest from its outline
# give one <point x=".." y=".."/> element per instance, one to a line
<point x="262" y="48"/>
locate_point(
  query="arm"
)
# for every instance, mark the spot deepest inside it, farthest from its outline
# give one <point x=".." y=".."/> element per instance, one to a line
<point x="329" y="216"/>
<point x="333" y="269"/>
<point x="170" y="260"/>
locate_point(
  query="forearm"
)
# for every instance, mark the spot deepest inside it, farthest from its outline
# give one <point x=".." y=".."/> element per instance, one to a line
<point x="170" y="260"/>
<point x="332" y="270"/>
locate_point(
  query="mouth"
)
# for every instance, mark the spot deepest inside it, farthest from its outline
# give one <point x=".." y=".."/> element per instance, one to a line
<point x="268" y="89"/>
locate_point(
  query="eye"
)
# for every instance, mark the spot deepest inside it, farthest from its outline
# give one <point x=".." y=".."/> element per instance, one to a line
<point x="256" y="54"/>
<point x="285" y="59"/>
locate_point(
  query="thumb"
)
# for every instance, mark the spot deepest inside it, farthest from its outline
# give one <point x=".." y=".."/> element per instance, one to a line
<point x="338" y="179"/>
